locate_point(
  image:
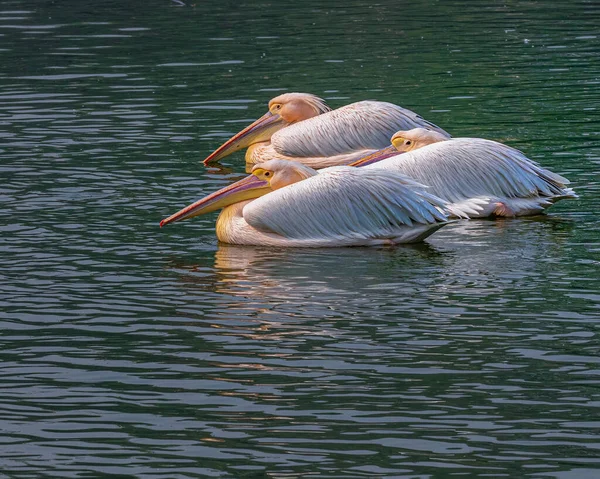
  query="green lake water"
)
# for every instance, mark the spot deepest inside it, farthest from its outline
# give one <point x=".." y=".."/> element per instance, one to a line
<point x="131" y="351"/>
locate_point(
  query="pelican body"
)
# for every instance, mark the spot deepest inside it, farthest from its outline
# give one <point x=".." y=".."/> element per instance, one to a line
<point x="480" y="177"/>
<point x="301" y="127"/>
<point x="338" y="206"/>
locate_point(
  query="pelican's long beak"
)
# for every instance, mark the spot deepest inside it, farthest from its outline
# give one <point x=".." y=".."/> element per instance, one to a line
<point x="249" y="188"/>
<point x="261" y="130"/>
<point x="377" y="156"/>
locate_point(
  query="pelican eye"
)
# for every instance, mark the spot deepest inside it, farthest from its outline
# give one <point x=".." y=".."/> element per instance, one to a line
<point x="407" y="142"/>
<point x="267" y="174"/>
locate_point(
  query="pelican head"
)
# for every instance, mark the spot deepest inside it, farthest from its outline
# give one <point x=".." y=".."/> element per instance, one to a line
<point x="416" y="138"/>
<point x="283" y="111"/>
<point x="266" y="177"/>
<point x="280" y="173"/>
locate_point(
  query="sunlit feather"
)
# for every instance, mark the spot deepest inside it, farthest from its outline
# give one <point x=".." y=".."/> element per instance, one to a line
<point x="339" y="206"/>
<point x="365" y="125"/>
<point x="481" y="176"/>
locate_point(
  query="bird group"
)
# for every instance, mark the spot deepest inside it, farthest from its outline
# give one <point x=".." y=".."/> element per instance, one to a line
<point x="368" y="173"/>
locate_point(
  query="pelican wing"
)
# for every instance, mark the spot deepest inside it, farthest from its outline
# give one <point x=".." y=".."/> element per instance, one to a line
<point x="343" y="202"/>
<point x="358" y="126"/>
<point x="468" y="167"/>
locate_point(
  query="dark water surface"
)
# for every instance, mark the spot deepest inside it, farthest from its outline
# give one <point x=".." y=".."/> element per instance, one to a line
<point x="133" y="351"/>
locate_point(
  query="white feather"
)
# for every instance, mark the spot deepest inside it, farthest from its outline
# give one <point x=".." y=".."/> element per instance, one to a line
<point x="365" y="125"/>
<point x="475" y="174"/>
<point x="345" y="202"/>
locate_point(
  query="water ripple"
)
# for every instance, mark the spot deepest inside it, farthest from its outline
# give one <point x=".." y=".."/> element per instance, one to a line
<point x="134" y="351"/>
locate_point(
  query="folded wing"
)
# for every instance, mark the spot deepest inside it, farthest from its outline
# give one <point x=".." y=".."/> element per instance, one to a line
<point x="358" y="126"/>
<point x="468" y="167"/>
<point x="345" y="202"/>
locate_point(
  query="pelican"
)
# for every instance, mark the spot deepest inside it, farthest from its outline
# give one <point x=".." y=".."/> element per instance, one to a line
<point x="338" y="206"/>
<point x="301" y="127"/>
<point x="481" y="177"/>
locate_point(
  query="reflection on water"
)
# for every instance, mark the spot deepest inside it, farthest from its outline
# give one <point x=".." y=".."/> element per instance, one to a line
<point x="313" y="271"/>
<point x="133" y="351"/>
<point x="447" y="332"/>
<point x="464" y="247"/>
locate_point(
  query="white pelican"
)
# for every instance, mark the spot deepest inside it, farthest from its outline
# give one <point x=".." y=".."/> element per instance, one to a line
<point x="481" y="177"/>
<point x="338" y="206"/>
<point x="301" y="127"/>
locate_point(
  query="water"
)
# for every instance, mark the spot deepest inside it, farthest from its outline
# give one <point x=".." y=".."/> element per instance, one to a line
<point x="133" y="351"/>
